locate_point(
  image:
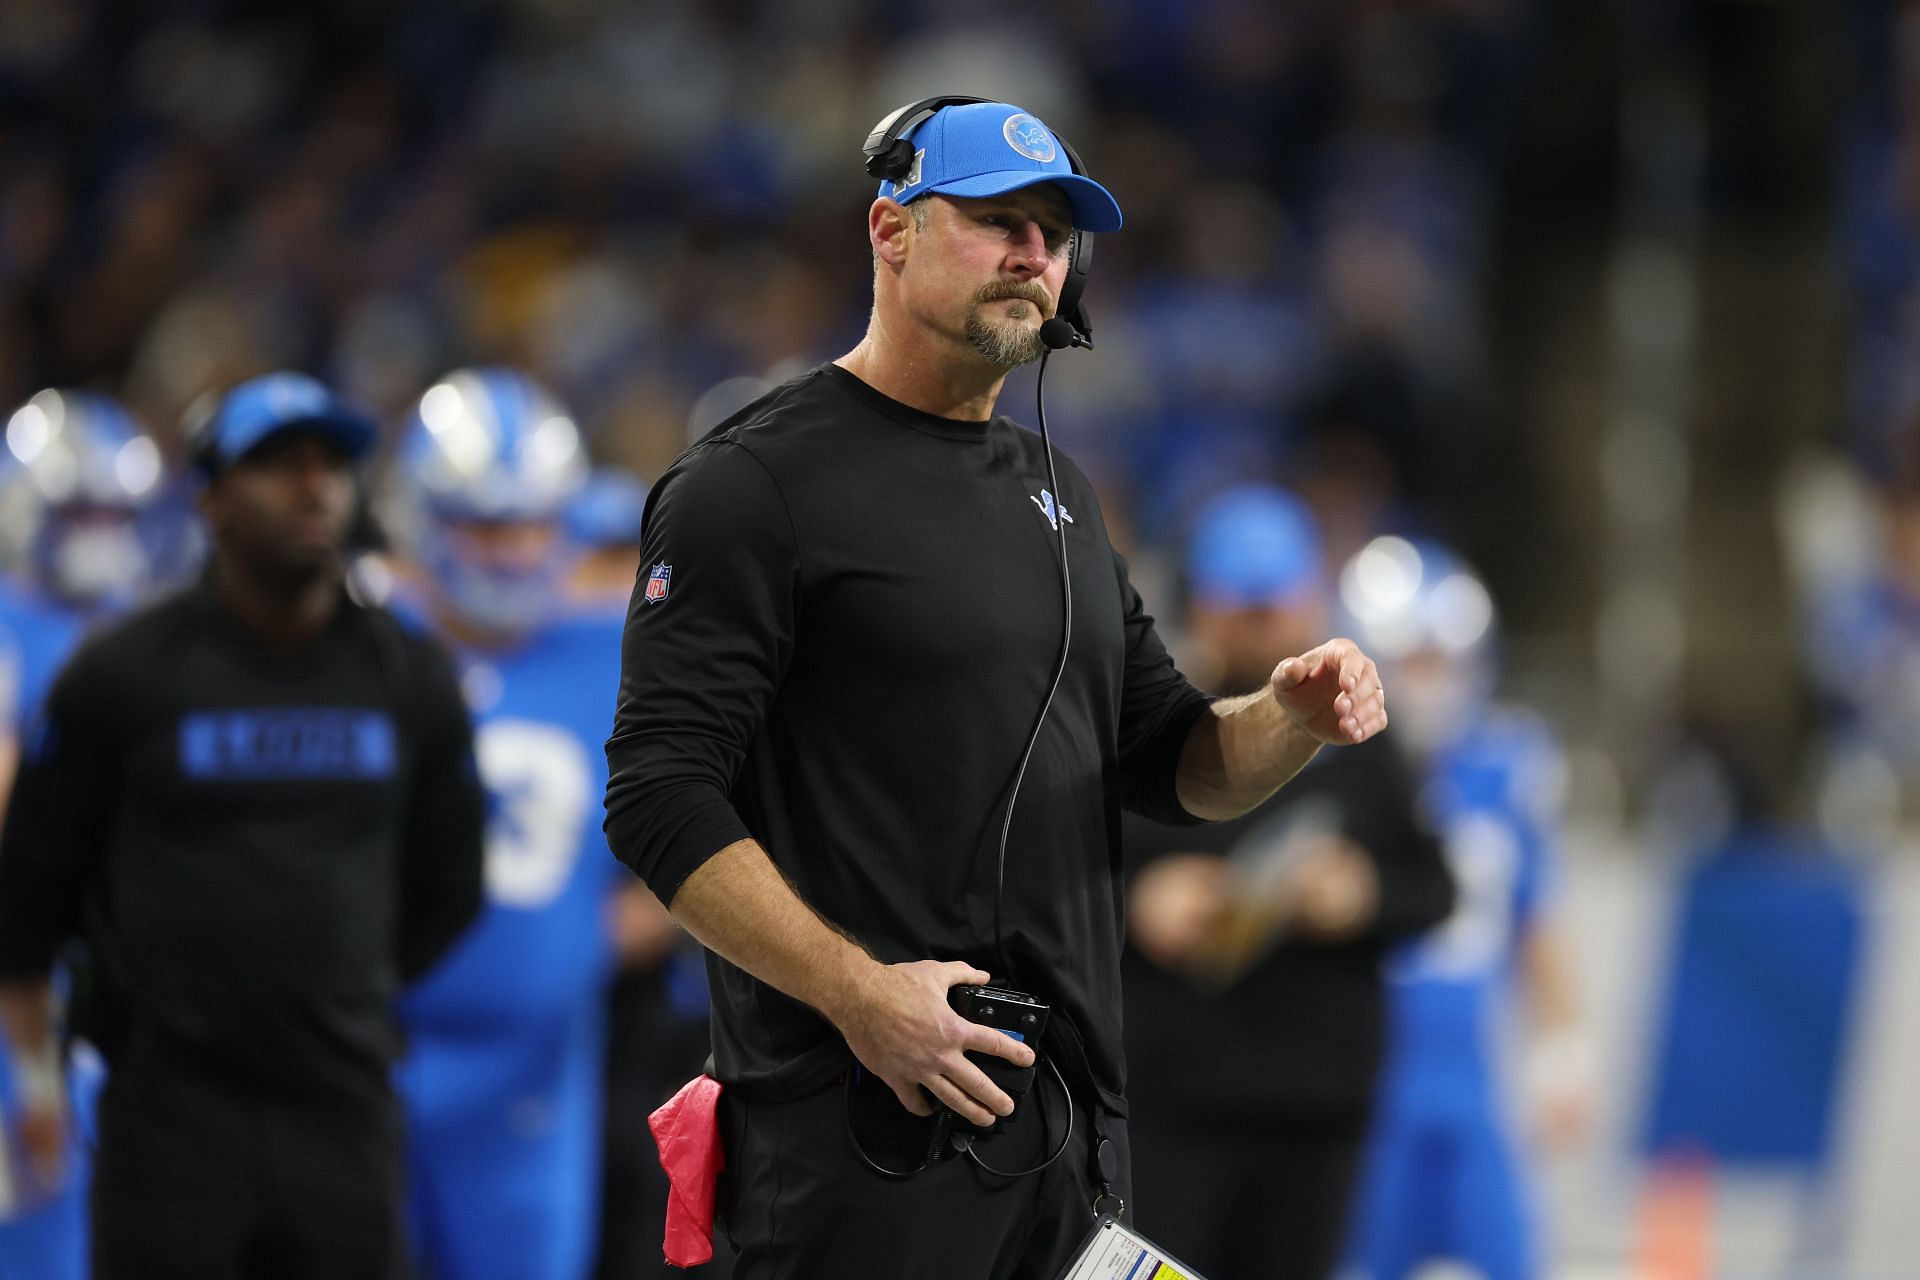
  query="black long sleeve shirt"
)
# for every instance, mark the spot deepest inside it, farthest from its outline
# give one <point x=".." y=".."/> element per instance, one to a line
<point x="847" y="618"/>
<point x="259" y="848"/>
<point x="1302" y="1033"/>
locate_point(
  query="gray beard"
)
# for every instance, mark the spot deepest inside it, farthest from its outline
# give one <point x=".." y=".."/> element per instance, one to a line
<point x="1005" y="343"/>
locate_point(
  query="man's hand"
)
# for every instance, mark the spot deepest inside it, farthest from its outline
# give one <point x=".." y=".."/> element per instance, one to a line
<point x="1334" y="891"/>
<point x="1332" y="692"/>
<point x="900" y="1026"/>
<point x="895" y="1017"/>
<point x="1175" y="907"/>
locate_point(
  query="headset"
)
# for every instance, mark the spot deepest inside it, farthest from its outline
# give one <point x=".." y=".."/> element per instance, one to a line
<point x="889" y="152"/>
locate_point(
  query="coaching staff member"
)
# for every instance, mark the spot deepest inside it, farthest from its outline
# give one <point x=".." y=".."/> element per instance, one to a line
<point x="848" y="617"/>
<point x="256" y="801"/>
<point x="1265" y="939"/>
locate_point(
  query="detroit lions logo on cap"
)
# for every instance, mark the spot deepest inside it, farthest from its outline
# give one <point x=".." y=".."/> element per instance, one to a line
<point x="1030" y="138"/>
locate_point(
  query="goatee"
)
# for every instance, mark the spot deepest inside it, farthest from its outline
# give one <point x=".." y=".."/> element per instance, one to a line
<point x="1005" y="342"/>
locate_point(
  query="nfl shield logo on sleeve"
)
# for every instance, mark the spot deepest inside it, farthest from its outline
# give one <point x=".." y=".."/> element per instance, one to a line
<point x="657" y="580"/>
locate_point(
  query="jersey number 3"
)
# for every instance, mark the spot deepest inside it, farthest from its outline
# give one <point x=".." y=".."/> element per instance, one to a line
<point x="539" y="790"/>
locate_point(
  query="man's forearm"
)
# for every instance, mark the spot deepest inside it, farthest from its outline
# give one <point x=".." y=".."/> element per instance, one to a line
<point x="741" y="908"/>
<point x="1238" y="754"/>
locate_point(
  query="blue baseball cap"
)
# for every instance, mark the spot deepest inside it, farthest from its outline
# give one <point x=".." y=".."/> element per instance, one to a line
<point x="261" y="408"/>
<point x="991" y="148"/>
<point x="609" y="510"/>
<point x="1254" y="545"/>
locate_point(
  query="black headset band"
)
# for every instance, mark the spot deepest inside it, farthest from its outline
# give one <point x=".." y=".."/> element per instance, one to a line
<point x="901" y="121"/>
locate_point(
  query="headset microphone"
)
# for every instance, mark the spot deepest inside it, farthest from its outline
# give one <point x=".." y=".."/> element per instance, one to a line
<point x="1058" y="334"/>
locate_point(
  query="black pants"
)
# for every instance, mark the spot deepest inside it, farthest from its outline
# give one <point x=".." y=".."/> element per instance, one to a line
<point x="1250" y="1200"/>
<point x="195" y="1182"/>
<point x="799" y="1204"/>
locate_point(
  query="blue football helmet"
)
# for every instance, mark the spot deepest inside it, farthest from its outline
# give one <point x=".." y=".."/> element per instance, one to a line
<point x="78" y="478"/>
<point x="1428" y="622"/>
<point x="487" y="465"/>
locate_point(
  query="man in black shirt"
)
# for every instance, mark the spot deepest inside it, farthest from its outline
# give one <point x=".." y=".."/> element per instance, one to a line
<point x="256" y="801"/>
<point x="1255" y="1005"/>
<point x="848" y="621"/>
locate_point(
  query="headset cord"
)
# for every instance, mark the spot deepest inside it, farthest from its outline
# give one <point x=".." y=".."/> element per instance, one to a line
<point x="972" y="1148"/>
<point x="1058" y="516"/>
<point x="1046" y="1129"/>
<point x="846" y="1107"/>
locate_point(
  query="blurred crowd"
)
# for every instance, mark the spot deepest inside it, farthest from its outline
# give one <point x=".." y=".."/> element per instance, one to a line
<point x="641" y="205"/>
<point x="1854" y="523"/>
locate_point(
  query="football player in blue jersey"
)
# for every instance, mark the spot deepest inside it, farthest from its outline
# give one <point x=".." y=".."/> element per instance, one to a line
<point x="78" y="479"/>
<point x="503" y="1081"/>
<point x="1445" y="1175"/>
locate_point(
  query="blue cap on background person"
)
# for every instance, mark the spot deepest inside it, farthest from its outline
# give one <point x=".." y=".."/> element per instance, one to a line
<point x="991" y="148"/>
<point x="609" y="510"/>
<point x="1254" y="545"/>
<point x="257" y="410"/>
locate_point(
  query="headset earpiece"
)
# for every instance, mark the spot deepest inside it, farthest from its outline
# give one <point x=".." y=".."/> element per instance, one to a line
<point x="888" y="151"/>
<point x="892" y="164"/>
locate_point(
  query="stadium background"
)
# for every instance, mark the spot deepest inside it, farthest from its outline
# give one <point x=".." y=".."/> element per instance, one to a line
<point x="1618" y="297"/>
